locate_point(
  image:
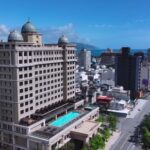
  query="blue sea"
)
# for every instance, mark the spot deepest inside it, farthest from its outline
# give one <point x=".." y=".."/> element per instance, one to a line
<point x="98" y="52"/>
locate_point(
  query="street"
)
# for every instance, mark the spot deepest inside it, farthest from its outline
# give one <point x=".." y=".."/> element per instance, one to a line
<point x="128" y="139"/>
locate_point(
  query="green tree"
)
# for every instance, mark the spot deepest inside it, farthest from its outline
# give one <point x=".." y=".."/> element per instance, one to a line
<point x="112" y="120"/>
<point x="101" y="119"/>
<point x="68" y="146"/>
<point x="84" y="147"/>
<point x="97" y="142"/>
<point x="146" y="138"/>
<point x="106" y="133"/>
<point x="146" y="122"/>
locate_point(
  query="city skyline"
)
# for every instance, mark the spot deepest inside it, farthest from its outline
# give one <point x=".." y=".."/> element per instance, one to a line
<point x="101" y="23"/>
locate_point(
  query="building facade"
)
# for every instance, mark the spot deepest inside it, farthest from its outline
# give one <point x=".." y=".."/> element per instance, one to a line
<point x="145" y="78"/>
<point x="108" y="57"/>
<point x="33" y="77"/>
<point x="148" y="55"/>
<point x="128" y="70"/>
<point x="84" y="59"/>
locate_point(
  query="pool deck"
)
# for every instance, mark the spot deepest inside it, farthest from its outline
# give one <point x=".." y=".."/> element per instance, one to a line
<point x="56" y="137"/>
<point x="49" y="131"/>
<point x="63" y="120"/>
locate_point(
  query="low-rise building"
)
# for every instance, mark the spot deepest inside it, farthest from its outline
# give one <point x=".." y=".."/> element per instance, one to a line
<point x="118" y="93"/>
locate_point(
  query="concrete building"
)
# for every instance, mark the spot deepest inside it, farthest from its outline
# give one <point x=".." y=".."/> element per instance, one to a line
<point x="107" y="74"/>
<point x="119" y="93"/>
<point x="33" y="77"/>
<point x="108" y="57"/>
<point x="145" y="78"/>
<point x="119" y="108"/>
<point x="37" y="84"/>
<point x="84" y="59"/>
<point x="148" y="55"/>
<point x="128" y="70"/>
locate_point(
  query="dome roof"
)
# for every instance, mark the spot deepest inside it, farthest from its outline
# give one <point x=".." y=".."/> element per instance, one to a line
<point x="28" y="28"/>
<point x="63" y="40"/>
<point x="15" y="36"/>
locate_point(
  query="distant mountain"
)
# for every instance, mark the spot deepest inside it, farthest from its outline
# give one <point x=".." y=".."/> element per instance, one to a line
<point x="80" y="46"/>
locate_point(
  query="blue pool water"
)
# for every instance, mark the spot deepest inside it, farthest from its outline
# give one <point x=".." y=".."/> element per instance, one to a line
<point x="64" y="119"/>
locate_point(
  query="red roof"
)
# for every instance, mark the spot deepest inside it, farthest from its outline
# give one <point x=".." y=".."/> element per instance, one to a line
<point x="104" y="98"/>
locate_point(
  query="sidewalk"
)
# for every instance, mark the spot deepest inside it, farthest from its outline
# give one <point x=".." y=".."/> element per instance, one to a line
<point x="112" y="140"/>
<point x="137" y="109"/>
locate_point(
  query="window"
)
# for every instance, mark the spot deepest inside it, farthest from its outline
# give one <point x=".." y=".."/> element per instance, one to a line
<point x="22" y="111"/>
<point x="20" y="61"/>
<point x="25" y="68"/>
<point x="30" y="74"/>
<point x="21" y="97"/>
<point x="30" y="88"/>
<point x="26" y="89"/>
<point x="20" y="53"/>
<point x="26" y="96"/>
<point x="25" y="61"/>
<point x="21" y="90"/>
<point x="30" y="53"/>
<point x="21" y="105"/>
<point x="25" y="53"/>
<point x="21" y="83"/>
<point x="20" y="69"/>
<point x="26" y="82"/>
<point x="26" y="103"/>
<point x="25" y="75"/>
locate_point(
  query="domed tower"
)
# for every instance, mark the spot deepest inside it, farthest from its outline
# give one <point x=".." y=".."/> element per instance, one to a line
<point x="15" y="36"/>
<point x="63" y="41"/>
<point x="30" y="34"/>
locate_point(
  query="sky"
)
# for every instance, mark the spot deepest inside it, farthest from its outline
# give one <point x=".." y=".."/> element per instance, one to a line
<point x="103" y="23"/>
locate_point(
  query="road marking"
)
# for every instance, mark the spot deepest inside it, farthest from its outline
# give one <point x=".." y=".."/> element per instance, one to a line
<point x="125" y="141"/>
<point x="135" y="122"/>
<point x="131" y="146"/>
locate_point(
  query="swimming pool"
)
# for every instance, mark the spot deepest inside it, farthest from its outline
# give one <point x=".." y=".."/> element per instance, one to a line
<point x="64" y="119"/>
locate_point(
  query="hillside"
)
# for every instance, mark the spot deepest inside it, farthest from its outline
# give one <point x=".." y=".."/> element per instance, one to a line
<point x="87" y="46"/>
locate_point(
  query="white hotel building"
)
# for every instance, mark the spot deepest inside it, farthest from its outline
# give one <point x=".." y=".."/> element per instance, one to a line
<point x="35" y="80"/>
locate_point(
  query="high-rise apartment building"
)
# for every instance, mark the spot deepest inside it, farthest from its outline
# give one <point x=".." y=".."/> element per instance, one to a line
<point x="33" y="77"/>
<point x="108" y="57"/>
<point x="84" y="59"/>
<point x="128" y="70"/>
<point x="148" y="55"/>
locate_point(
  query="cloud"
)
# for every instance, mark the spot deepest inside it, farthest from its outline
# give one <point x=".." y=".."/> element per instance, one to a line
<point x="51" y="34"/>
<point x="101" y="26"/>
<point x="3" y="30"/>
